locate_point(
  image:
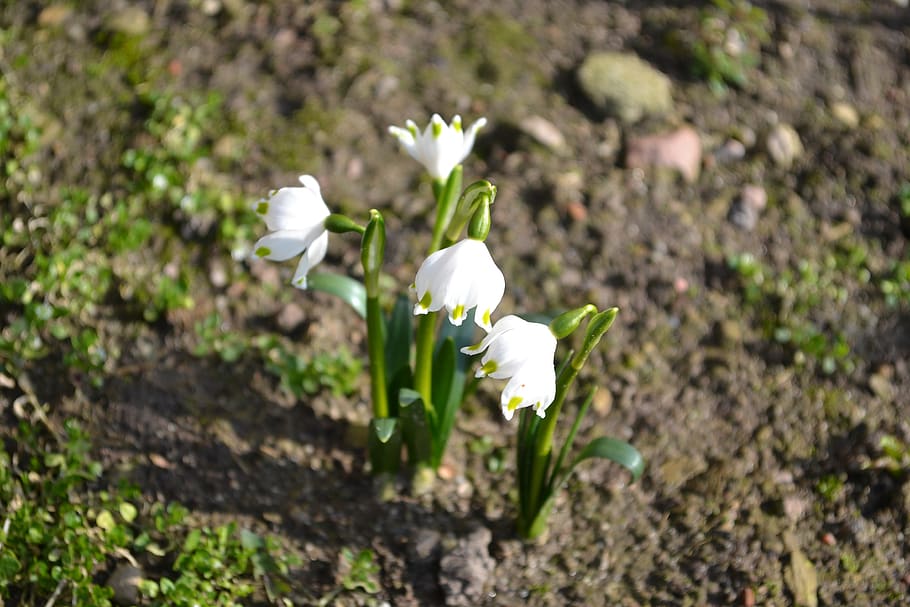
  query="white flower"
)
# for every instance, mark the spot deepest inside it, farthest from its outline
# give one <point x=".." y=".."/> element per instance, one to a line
<point x="522" y="351"/>
<point x="295" y="216"/>
<point x="459" y="278"/>
<point x="440" y="148"/>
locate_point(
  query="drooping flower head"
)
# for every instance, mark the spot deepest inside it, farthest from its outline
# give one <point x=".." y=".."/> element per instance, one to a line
<point x="441" y="147"/>
<point x="458" y="278"/>
<point x="295" y="217"/>
<point x="522" y="352"/>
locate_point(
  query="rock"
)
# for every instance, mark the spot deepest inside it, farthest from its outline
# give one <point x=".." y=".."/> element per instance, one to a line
<point x="730" y="151"/>
<point x="783" y="145"/>
<point x="124" y="581"/>
<point x="54" y="15"/>
<point x="746" y="207"/>
<point x="846" y="114"/>
<point x="679" y="150"/>
<point x="132" y="21"/>
<point x="544" y="132"/>
<point x="465" y="569"/>
<point x="802" y="580"/>
<point x="289" y="317"/>
<point x="425" y="547"/>
<point x="622" y="85"/>
<point x="881" y="386"/>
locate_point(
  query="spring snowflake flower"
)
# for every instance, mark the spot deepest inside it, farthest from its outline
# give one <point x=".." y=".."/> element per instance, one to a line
<point x="522" y="352"/>
<point x="295" y="216"/>
<point x="459" y="278"/>
<point x="440" y="148"/>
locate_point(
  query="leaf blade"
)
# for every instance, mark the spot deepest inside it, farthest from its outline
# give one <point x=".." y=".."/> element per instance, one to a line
<point x="351" y="291"/>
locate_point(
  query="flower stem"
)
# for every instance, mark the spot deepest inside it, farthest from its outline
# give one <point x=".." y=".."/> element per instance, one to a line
<point x="544" y="441"/>
<point x="423" y="367"/>
<point x="376" y="348"/>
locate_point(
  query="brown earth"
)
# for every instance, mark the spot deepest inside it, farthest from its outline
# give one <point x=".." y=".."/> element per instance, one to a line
<point x="737" y="436"/>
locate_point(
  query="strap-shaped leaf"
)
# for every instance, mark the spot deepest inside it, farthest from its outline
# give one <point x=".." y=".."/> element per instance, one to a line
<point x="448" y="383"/>
<point x="614" y="450"/>
<point x="384" y="444"/>
<point x="414" y="427"/>
<point x="351" y="291"/>
<point x="398" y="339"/>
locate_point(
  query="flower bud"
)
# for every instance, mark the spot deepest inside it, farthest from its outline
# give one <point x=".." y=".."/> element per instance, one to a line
<point x="372" y="252"/>
<point x="599" y="325"/>
<point x="339" y="224"/>
<point x="468" y="204"/>
<point x="565" y="324"/>
<point x="480" y="221"/>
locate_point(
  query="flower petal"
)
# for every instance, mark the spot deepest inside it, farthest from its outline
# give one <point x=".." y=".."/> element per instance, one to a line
<point x="282" y="245"/>
<point x="313" y="255"/>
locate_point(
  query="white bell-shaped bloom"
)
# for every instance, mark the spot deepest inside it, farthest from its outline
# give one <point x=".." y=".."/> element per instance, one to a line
<point x="459" y="278"/>
<point x="441" y="147"/>
<point x="295" y="217"/>
<point x="522" y="352"/>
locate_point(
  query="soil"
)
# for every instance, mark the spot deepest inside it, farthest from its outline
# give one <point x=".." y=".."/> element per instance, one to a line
<point x="736" y="433"/>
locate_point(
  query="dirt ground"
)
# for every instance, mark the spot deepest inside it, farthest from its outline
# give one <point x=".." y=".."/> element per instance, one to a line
<point x="740" y="435"/>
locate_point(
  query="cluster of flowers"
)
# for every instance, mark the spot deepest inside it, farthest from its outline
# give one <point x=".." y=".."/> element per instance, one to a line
<point x="458" y="278"/>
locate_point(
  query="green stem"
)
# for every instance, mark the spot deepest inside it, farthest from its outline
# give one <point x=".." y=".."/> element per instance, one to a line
<point x="423" y="366"/>
<point x="376" y="348"/>
<point x="544" y="437"/>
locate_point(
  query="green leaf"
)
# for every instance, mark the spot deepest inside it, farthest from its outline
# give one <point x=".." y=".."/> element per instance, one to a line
<point x="414" y="427"/>
<point x="447" y="389"/>
<point x="9" y="565"/>
<point x="384" y="444"/>
<point x="128" y="512"/>
<point x="346" y="288"/>
<point x="398" y="340"/>
<point x="614" y="450"/>
<point x="105" y="520"/>
<point x="250" y="540"/>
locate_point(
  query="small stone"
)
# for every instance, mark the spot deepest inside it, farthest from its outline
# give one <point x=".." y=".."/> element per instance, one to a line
<point x="124" y="581"/>
<point x="544" y="132"/>
<point x="603" y="402"/>
<point x="132" y="21"/>
<point x="576" y="210"/>
<point x="784" y="146"/>
<point x="465" y="569"/>
<point x="747" y="597"/>
<point x="802" y="579"/>
<point x="795" y="507"/>
<point x="730" y="151"/>
<point x="623" y="85"/>
<point x="54" y="15"/>
<point x="746" y="207"/>
<point x="217" y="274"/>
<point x="846" y="114"/>
<point x="425" y="547"/>
<point x="228" y="147"/>
<point x="290" y="317"/>
<point x="828" y="539"/>
<point x="679" y="150"/>
<point x="881" y="386"/>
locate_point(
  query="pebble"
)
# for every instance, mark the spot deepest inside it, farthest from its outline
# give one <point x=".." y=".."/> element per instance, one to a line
<point x="54" y="15"/>
<point x="124" y="581"/>
<point x="544" y="132"/>
<point x="784" y="146"/>
<point x="132" y="21"/>
<point x="290" y="317"/>
<point x="465" y="569"/>
<point x="747" y="597"/>
<point x="846" y="114"/>
<point x="623" y="85"/>
<point x="746" y="207"/>
<point x="730" y="151"/>
<point x="828" y="539"/>
<point x="679" y="150"/>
